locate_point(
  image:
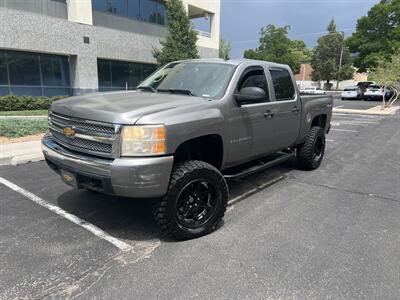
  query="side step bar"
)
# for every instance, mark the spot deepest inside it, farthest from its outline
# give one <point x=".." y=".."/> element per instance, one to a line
<point x="282" y="156"/>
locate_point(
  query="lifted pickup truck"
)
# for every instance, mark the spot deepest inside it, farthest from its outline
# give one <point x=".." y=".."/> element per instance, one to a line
<point x="180" y="135"/>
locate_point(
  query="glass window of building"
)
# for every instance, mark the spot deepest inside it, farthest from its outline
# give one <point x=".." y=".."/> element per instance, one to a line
<point x="146" y="10"/>
<point x="34" y="74"/>
<point x="120" y="75"/>
<point x="134" y="9"/>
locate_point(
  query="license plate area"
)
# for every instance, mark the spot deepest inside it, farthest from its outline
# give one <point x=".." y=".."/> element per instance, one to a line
<point x="69" y="178"/>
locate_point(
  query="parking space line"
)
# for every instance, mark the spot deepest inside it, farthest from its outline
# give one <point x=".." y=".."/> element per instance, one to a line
<point x="344" y="130"/>
<point x="255" y="190"/>
<point x="328" y="140"/>
<point x="74" y="219"/>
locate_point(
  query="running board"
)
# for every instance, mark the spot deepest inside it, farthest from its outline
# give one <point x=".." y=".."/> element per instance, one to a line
<point x="282" y="156"/>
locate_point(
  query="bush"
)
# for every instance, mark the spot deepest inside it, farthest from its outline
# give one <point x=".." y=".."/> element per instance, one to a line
<point x="12" y="102"/>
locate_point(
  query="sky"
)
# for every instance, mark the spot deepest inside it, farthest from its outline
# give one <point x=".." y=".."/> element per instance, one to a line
<point x="241" y="20"/>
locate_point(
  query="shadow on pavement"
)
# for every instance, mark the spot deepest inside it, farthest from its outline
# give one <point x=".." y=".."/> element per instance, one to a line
<point x="131" y="219"/>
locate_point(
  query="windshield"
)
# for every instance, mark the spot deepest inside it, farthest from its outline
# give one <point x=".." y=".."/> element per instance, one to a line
<point x="207" y="80"/>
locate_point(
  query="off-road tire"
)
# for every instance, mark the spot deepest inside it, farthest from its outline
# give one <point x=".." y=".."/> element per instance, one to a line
<point x="165" y="209"/>
<point x="306" y="156"/>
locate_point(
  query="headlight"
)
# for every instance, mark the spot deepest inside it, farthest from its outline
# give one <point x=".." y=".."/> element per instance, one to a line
<point x="143" y="140"/>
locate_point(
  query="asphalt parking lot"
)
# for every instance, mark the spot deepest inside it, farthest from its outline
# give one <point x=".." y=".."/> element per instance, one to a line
<point x="330" y="233"/>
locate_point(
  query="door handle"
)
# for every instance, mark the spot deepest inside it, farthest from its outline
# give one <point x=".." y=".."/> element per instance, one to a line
<point x="269" y="114"/>
<point x="295" y="109"/>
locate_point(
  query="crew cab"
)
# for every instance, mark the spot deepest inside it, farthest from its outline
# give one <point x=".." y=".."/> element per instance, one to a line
<point x="183" y="133"/>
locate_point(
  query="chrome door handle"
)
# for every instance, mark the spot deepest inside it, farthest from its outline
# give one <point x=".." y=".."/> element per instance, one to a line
<point x="295" y="109"/>
<point x="269" y="114"/>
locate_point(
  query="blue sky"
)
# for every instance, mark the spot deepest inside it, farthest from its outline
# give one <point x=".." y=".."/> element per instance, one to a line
<point x="241" y="20"/>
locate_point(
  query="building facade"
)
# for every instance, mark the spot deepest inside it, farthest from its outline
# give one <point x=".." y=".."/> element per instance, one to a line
<point x="71" y="47"/>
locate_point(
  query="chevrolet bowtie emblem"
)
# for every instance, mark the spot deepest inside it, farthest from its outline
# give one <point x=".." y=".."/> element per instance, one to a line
<point x="69" y="131"/>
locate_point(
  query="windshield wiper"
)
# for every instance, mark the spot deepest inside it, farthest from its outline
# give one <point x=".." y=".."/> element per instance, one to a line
<point x="176" y="91"/>
<point x="147" y="88"/>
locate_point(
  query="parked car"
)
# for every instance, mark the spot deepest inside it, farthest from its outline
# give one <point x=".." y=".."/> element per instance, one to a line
<point x="376" y="92"/>
<point x="363" y="85"/>
<point x="352" y="92"/>
<point x="312" y="91"/>
<point x="185" y="131"/>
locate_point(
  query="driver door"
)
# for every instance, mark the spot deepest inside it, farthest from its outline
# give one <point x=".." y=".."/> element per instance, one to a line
<point x="249" y="123"/>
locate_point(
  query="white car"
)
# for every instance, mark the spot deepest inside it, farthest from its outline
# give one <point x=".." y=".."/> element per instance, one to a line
<point x="352" y="92"/>
<point x="376" y="92"/>
<point x="313" y="91"/>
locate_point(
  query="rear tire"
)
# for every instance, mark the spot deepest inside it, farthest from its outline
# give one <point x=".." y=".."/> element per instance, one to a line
<point x="195" y="203"/>
<point x="311" y="153"/>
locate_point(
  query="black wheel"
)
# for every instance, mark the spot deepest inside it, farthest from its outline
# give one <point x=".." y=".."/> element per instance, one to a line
<point x="311" y="153"/>
<point x="195" y="203"/>
<point x="343" y="98"/>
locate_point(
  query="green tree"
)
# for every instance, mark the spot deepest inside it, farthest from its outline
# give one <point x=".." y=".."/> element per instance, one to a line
<point x="326" y="57"/>
<point x="181" y="39"/>
<point x="387" y="74"/>
<point x="276" y="46"/>
<point x="224" y="49"/>
<point x="377" y="36"/>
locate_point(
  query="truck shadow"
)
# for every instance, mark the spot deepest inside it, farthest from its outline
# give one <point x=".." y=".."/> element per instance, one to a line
<point x="131" y="219"/>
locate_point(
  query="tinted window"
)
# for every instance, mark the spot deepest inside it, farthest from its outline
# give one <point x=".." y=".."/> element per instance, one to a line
<point x="54" y="70"/>
<point x="3" y="69"/>
<point x="133" y="9"/>
<point x="283" y="84"/>
<point x="148" y="10"/>
<point x="24" y="69"/>
<point x="34" y="74"/>
<point x="255" y="78"/>
<point x="104" y="73"/>
<point x="115" y="75"/>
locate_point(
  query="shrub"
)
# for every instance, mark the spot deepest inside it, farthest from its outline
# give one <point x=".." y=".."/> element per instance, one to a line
<point x="12" y="102"/>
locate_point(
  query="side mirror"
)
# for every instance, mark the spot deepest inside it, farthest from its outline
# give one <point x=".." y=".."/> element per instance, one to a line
<point x="250" y="95"/>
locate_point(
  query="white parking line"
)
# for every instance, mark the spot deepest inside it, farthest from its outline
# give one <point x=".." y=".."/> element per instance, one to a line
<point x="345" y="130"/>
<point x="328" y="140"/>
<point x="74" y="219"/>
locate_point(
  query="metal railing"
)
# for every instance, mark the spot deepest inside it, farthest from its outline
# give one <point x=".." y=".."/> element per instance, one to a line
<point x="203" y="33"/>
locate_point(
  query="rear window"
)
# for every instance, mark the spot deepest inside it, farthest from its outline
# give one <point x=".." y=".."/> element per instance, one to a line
<point x="283" y="84"/>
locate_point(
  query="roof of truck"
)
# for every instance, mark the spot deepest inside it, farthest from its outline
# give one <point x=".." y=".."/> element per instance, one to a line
<point x="235" y="62"/>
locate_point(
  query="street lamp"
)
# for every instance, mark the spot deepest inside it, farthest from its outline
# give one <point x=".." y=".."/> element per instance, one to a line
<point x="340" y="61"/>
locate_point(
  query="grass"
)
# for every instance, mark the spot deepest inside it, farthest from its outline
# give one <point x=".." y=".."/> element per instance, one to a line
<point x="19" y="128"/>
<point x="39" y="112"/>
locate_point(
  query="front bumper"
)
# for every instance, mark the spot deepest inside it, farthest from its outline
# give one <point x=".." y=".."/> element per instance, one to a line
<point x="146" y="177"/>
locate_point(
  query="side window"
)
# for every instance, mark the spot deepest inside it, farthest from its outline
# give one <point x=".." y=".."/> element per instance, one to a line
<point x="283" y="84"/>
<point x="255" y="78"/>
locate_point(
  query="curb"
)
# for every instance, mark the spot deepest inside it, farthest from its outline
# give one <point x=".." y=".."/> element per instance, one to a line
<point x="20" y="159"/>
<point x="371" y="111"/>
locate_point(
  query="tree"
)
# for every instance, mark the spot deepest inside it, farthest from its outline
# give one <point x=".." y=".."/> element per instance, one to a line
<point x="276" y="46"/>
<point x="224" y="49"/>
<point x="181" y="39"/>
<point x="326" y="57"/>
<point x="387" y="74"/>
<point x="377" y="36"/>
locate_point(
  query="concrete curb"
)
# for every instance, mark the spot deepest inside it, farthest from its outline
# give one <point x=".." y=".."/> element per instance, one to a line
<point x="372" y="111"/>
<point x="23" y="117"/>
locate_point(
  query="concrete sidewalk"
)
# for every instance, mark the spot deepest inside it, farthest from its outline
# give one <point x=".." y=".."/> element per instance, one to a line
<point x="20" y="153"/>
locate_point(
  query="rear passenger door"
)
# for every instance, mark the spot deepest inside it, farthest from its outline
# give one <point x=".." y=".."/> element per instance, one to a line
<point x="286" y="108"/>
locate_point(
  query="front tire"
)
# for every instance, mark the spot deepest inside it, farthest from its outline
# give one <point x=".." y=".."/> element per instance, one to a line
<point x="311" y="153"/>
<point x="195" y="203"/>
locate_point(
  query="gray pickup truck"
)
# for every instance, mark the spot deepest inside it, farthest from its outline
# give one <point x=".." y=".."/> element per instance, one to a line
<point x="183" y="133"/>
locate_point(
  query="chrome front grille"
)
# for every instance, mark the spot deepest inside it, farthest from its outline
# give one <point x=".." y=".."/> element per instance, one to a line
<point x="94" y="138"/>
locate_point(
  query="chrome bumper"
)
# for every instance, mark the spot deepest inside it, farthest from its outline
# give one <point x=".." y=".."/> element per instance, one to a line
<point x="146" y="177"/>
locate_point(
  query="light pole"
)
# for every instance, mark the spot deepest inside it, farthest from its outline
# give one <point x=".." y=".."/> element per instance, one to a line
<point x="340" y="61"/>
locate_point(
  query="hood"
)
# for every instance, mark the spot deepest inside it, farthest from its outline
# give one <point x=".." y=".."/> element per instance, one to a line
<point x="121" y="107"/>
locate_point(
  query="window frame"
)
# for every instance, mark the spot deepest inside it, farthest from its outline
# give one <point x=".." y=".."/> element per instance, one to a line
<point x="295" y="94"/>
<point x="255" y="68"/>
